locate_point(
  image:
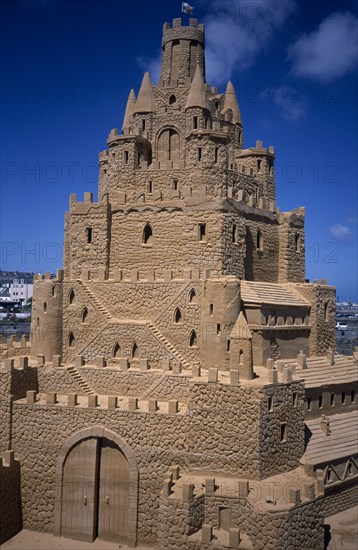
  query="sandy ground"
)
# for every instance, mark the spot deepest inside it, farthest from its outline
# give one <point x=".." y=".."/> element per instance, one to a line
<point x="31" y="540"/>
<point x="343" y="532"/>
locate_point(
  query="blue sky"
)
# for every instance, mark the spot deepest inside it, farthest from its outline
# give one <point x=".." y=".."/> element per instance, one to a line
<point x="67" y="68"/>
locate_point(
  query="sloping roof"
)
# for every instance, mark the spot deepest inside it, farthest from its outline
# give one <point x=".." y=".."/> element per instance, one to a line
<point x="271" y="293"/>
<point x="4" y="292"/>
<point x="145" y="101"/>
<point x="129" y="109"/>
<point x="241" y="329"/>
<point x="197" y="97"/>
<point x="342" y="442"/>
<point x="320" y="372"/>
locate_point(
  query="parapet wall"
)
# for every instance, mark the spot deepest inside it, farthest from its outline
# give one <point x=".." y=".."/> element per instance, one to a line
<point x="10" y="501"/>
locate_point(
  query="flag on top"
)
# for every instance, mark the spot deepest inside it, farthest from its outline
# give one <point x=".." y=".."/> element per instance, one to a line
<point x="185" y="8"/>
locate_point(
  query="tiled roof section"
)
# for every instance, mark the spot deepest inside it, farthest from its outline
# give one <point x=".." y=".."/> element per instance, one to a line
<point x="271" y="293"/>
<point x="320" y="372"/>
<point x="342" y="442"/>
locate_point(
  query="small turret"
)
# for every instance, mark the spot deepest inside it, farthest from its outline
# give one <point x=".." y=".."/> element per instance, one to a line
<point x="241" y="348"/>
<point x="129" y="111"/>
<point x="232" y="104"/>
<point x="145" y="102"/>
<point x="197" y="97"/>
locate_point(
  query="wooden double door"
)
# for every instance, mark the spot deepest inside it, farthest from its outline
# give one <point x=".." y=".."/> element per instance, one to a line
<point x="95" y="492"/>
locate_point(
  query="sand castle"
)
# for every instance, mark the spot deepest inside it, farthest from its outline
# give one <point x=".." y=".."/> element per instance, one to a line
<point x="181" y="387"/>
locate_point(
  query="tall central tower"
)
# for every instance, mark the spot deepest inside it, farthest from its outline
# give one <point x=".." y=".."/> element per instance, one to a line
<point x="183" y="49"/>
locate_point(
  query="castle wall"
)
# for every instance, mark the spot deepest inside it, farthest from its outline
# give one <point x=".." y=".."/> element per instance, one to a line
<point x="332" y="399"/>
<point x="322" y="317"/>
<point x="261" y="262"/>
<point x="338" y="500"/>
<point x="282" y="404"/>
<point x="175" y="236"/>
<point x="5" y="410"/>
<point x="41" y="431"/>
<point x="10" y="502"/>
<point x="109" y="381"/>
<point x="301" y="525"/>
<point x="292" y="250"/>
<point x="14" y="383"/>
<point x="279" y="344"/>
<point x="88" y="231"/>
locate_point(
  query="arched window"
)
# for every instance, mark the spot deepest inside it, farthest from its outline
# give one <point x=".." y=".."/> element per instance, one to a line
<point x="135" y="351"/>
<point x="177" y="315"/>
<point x="72" y="296"/>
<point x="71" y="340"/>
<point x="211" y="309"/>
<point x="147" y="234"/>
<point x="192" y="298"/>
<point x="259" y="240"/>
<point x="241" y="356"/>
<point x="53" y="291"/>
<point x="297" y="242"/>
<point x="116" y="350"/>
<point x="193" y="341"/>
<point x="85" y="315"/>
<point x="172" y="99"/>
<point x="45" y="307"/>
<point x="169" y="146"/>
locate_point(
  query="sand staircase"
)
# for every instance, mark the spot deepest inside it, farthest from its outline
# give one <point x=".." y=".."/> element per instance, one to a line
<point x="169" y="346"/>
<point x="80" y="381"/>
<point x="99" y="306"/>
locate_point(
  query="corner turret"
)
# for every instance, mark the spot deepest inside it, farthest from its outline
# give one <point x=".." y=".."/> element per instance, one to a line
<point x="129" y="112"/>
<point x="231" y="104"/>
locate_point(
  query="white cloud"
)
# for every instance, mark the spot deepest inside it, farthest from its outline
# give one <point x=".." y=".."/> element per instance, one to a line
<point x="151" y="65"/>
<point x="330" y="51"/>
<point x="237" y="31"/>
<point x="341" y="232"/>
<point x="289" y="99"/>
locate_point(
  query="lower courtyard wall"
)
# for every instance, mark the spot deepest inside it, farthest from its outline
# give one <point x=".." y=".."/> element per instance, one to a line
<point x="300" y="527"/>
<point x="10" y="501"/>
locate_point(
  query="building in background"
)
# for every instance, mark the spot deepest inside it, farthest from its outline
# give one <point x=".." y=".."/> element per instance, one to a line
<point x="16" y="287"/>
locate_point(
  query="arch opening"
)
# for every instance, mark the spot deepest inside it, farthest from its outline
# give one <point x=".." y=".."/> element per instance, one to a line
<point x="103" y="500"/>
<point x="192" y="297"/>
<point x="117" y="352"/>
<point x="193" y="339"/>
<point x="71" y="297"/>
<point x="85" y="315"/>
<point x="177" y="316"/>
<point x="71" y="340"/>
<point x="147" y="234"/>
<point x="135" y="351"/>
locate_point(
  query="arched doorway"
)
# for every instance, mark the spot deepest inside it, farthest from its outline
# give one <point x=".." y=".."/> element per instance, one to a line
<point x="169" y="146"/>
<point x="98" y="480"/>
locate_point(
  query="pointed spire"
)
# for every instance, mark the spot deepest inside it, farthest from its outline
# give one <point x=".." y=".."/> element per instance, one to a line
<point x="197" y="96"/>
<point x="241" y="329"/>
<point x="231" y="103"/>
<point x="145" y="102"/>
<point x="129" y="110"/>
